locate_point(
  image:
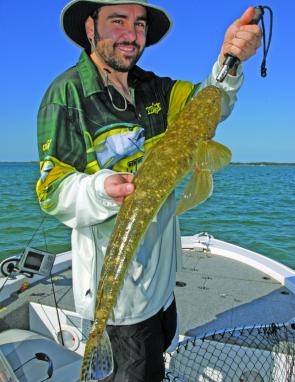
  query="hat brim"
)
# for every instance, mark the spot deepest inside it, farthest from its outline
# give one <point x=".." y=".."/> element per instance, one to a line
<point x="74" y="15"/>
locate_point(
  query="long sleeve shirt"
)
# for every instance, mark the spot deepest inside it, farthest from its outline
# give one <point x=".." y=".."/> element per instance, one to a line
<point x="87" y="132"/>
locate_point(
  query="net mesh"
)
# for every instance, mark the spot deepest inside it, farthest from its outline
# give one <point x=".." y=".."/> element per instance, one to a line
<point x="256" y="354"/>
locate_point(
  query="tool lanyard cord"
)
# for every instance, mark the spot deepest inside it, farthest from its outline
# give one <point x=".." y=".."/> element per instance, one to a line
<point x="266" y="46"/>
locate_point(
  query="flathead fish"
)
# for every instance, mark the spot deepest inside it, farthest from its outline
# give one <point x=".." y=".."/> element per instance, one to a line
<point x="186" y="146"/>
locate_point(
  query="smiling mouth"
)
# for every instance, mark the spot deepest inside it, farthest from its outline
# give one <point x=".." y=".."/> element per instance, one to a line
<point x="127" y="48"/>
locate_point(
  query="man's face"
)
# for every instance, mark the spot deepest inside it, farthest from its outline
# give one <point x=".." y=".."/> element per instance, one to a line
<point x="120" y="35"/>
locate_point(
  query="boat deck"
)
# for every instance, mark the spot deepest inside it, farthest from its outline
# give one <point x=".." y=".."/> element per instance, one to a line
<point x="213" y="293"/>
<point x="223" y="293"/>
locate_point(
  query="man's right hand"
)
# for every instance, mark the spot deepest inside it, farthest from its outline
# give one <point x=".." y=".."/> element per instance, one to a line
<point x="118" y="186"/>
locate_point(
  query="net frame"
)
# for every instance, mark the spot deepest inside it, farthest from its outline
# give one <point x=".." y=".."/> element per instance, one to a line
<point x="260" y="353"/>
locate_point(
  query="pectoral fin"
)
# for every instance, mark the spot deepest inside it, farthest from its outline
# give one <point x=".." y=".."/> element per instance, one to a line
<point x="212" y="155"/>
<point x="198" y="189"/>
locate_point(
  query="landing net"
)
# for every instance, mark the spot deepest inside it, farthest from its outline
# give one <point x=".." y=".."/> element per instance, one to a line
<point x="256" y="354"/>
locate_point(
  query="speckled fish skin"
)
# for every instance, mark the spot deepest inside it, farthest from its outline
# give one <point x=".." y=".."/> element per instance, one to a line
<point x="168" y="162"/>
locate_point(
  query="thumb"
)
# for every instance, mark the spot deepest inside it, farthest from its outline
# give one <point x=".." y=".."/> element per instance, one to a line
<point x="127" y="188"/>
<point x="246" y="17"/>
<point x="117" y="186"/>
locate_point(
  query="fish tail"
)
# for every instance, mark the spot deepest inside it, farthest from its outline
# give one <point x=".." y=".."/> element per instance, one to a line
<point x="98" y="361"/>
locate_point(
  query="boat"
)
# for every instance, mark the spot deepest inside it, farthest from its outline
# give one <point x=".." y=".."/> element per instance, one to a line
<point x="236" y="317"/>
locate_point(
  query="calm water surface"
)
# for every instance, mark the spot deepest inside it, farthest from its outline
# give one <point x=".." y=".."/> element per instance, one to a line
<point x="251" y="206"/>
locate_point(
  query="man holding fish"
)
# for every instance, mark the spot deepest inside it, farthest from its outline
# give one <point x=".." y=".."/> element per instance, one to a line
<point x="95" y="124"/>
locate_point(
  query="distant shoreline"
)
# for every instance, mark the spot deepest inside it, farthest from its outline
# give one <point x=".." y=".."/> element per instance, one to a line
<point x="232" y="163"/>
<point x="262" y="164"/>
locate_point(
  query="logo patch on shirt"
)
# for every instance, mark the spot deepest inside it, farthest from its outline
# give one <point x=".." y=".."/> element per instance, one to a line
<point x="132" y="166"/>
<point x="119" y="141"/>
<point x="154" y="108"/>
<point x="46" y="145"/>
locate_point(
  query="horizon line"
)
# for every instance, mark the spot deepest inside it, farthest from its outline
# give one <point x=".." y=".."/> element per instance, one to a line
<point x="233" y="163"/>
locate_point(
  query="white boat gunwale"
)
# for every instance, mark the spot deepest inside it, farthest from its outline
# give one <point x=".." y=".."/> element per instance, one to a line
<point x="202" y="241"/>
<point x="278" y="271"/>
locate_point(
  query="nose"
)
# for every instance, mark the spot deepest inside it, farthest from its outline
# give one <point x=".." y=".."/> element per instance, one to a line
<point x="130" y="33"/>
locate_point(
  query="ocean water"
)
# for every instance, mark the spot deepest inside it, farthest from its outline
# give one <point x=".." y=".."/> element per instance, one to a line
<point x="251" y="206"/>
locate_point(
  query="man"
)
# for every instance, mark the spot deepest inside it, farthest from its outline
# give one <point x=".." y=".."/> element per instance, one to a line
<point x="95" y="123"/>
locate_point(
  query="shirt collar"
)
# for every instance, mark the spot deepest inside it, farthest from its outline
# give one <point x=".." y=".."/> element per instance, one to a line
<point x="90" y="78"/>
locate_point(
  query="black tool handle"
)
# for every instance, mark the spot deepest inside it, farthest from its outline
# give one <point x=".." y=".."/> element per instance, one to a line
<point x="257" y="15"/>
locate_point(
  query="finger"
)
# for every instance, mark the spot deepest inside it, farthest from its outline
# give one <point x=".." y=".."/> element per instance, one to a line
<point x="246" y="17"/>
<point x="252" y="28"/>
<point x="244" y="39"/>
<point x="120" y="190"/>
<point x="119" y="201"/>
<point x="243" y="53"/>
<point x="128" y="177"/>
<point x="243" y="21"/>
<point x="118" y="185"/>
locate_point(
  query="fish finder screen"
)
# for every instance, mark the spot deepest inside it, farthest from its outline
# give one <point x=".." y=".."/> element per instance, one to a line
<point x="33" y="261"/>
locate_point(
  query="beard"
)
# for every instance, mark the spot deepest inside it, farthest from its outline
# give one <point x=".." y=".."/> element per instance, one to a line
<point x="117" y="61"/>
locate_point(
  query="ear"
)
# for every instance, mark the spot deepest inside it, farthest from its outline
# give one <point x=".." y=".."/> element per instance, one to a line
<point x="89" y="28"/>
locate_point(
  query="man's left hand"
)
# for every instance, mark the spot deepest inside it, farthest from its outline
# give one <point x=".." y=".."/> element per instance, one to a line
<point x="241" y="38"/>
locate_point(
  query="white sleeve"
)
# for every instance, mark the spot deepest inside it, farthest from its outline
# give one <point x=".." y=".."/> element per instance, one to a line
<point x="80" y="200"/>
<point x="230" y="85"/>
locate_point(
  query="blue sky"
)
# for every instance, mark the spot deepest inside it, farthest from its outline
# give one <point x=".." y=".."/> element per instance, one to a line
<point x="35" y="51"/>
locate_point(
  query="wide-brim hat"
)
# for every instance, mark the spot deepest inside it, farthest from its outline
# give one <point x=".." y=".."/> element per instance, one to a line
<point x="75" y="13"/>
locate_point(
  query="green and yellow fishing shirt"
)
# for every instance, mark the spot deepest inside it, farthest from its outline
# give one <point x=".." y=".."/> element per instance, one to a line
<point x="82" y="124"/>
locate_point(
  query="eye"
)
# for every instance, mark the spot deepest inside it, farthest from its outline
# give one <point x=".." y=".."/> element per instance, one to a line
<point x="140" y="24"/>
<point x="118" y="21"/>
